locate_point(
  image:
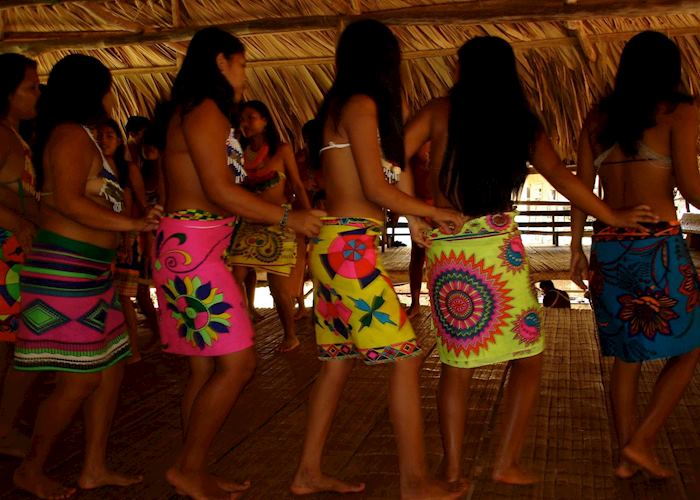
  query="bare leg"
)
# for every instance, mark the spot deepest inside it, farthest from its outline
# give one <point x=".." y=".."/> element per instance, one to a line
<point x="415" y="277"/>
<point x="669" y="388"/>
<point x="323" y="403"/>
<point x="407" y="418"/>
<point x="281" y="290"/>
<point x="132" y="327"/>
<point x="201" y="370"/>
<point x="247" y="278"/>
<point x="54" y="415"/>
<point x="210" y="408"/>
<point x="298" y="278"/>
<point x="452" y="406"/>
<point x="624" y="389"/>
<point x="521" y="394"/>
<point x="143" y="298"/>
<point x="15" y="387"/>
<point x="99" y="411"/>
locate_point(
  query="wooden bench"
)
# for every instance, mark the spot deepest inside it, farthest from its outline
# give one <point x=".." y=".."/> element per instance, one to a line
<point x="690" y="224"/>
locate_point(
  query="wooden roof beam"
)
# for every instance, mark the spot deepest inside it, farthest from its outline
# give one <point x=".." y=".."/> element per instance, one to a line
<point x="10" y="4"/>
<point x="570" y="41"/>
<point x="585" y="45"/>
<point x="470" y="12"/>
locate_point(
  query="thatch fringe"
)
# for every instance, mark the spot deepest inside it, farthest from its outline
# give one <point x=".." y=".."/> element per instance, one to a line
<point x="566" y="65"/>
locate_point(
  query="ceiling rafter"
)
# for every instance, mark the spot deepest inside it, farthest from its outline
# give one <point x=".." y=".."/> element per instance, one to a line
<point x="471" y="12"/>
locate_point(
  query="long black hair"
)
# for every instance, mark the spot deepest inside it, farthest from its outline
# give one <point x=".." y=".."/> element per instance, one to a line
<point x="272" y="135"/>
<point x="368" y="62"/>
<point x="76" y="87"/>
<point x="199" y="77"/>
<point x="491" y="130"/>
<point x="13" y="68"/>
<point x="119" y="154"/>
<point x="649" y="74"/>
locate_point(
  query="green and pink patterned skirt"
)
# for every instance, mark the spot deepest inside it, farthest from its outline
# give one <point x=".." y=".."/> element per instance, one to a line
<point x="71" y="316"/>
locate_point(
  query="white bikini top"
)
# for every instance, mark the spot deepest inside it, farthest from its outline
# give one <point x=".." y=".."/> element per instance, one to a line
<point x="644" y="153"/>
<point x="392" y="172"/>
<point x="106" y="183"/>
<point x="333" y="145"/>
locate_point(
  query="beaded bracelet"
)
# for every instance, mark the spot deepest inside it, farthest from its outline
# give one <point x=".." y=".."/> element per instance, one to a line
<point x="285" y="216"/>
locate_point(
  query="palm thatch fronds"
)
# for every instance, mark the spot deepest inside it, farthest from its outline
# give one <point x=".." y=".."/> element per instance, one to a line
<point x="567" y="51"/>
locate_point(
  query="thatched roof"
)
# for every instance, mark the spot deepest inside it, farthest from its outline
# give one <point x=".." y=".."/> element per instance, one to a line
<point x="568" y="50"/>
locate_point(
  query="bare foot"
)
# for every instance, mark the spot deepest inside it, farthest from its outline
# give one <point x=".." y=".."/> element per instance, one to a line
<point x="413" y="311"/>
<point x="304" y="484"/>
<point x="436" y="490"/>
<point x="198" y="486"/>
<point x="227" y="485"/>
<point x="14" y="444"/>
<point x="40" y="485"/>
<point x="288" y="345"/>
<point x="626" y="469"/>
<point x="647" y="460"/>
<point x="514" y="475"/>
<point x="91" y="479"/>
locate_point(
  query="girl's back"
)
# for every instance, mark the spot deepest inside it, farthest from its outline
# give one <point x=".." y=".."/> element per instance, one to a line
<point x="650" y="176"/>
<point x="346" y="150"/>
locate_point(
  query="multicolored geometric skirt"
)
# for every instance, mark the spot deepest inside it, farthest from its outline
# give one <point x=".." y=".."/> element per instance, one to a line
<point x="356" y="311"/>
<point x="11" y="260"/>
<point x="644" y="292"/>
<point x="266" y="248"/>
<point x="201" y="307"/>
<point x="483" y="303"/>
<point x="71" y="316"/>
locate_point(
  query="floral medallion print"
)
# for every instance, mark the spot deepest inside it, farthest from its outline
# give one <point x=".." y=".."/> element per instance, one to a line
<point x="353" y="255"/>
<point x="649" y="313"/>
<point x="689" y="286"/>
<point x="470" y="302"/>
<point x="199" y="310"/>
<point x="336" y="315"/>
<point x="528" y="327"/>
<point x="513" y="254"/>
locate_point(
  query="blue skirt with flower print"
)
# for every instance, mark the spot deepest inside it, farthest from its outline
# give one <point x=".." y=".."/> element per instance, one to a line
<point x="645" y="292"/>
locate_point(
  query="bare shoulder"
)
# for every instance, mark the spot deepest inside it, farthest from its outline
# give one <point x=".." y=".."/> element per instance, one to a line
<point x="440" y="104"/>
<point x="359" y="104"/>
<point x="6" y="136"/>
<point x="205" y="121"/>
<point x="203" y="112"/>
<point x="68" y="136"/>
<point x="593" y="118"/>
<point x="439" y="110"/>
<point x="358" y="113"/>
<point x="686" y="113"/>
<point x="285" y="148"/>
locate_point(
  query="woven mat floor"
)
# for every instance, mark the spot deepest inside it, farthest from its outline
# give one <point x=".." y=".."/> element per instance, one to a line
<point x="571" y="445"/>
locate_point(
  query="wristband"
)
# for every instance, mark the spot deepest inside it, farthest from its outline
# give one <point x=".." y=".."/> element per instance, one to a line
<point x="285" y="216"/>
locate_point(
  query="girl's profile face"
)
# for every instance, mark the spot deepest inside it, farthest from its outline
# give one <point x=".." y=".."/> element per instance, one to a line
<point x="108" y="139"/>
<point x="252" y="123"/>
<point x="23" y="100"/>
